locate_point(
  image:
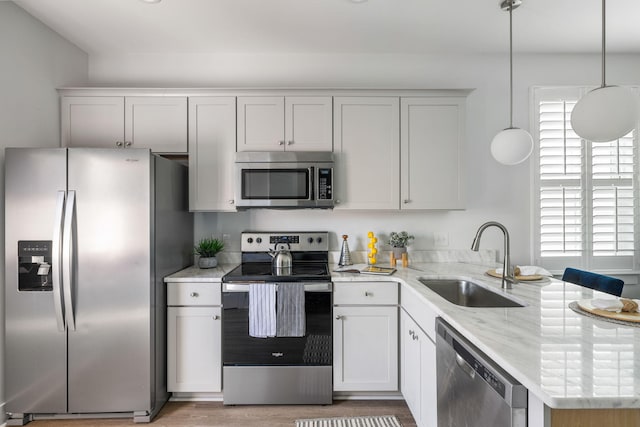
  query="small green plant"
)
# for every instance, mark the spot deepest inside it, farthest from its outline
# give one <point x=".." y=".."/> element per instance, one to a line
<point x="400" y="240"/>
<point x="208" y="247"/>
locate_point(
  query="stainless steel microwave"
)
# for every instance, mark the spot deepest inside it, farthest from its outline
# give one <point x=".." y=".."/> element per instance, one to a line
<point x="284" y="179"/>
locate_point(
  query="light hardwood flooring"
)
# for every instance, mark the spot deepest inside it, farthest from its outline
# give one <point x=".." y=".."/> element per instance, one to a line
<point x="201" y="414"/>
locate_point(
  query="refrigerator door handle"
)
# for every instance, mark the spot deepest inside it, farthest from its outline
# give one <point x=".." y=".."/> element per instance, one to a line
<point x="55" y="262"/>
<point x="67" y="259"/>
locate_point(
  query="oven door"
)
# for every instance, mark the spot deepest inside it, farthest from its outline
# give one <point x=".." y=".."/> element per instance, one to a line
<point x="241" y="349"/>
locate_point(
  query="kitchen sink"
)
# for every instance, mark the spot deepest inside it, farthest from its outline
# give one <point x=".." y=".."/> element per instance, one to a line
<point x="468" y="294"/>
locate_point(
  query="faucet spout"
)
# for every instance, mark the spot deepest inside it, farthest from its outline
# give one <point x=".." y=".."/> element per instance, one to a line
<point x="507" y="272"/>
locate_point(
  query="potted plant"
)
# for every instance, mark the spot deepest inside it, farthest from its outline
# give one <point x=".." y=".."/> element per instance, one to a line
<point x="399" y="242"/>
<point x="208" y="248"/>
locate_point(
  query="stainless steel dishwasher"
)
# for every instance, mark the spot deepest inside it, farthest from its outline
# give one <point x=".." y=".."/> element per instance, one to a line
<point x="472" y="390"/>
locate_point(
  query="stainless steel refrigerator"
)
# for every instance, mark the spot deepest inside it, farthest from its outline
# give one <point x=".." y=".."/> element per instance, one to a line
<point x="90" y="234"/>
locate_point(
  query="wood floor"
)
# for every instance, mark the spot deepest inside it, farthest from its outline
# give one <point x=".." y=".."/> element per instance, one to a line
<point x="201" y="414"/>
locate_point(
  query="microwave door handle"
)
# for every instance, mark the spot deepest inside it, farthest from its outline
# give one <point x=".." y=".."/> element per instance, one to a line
<point x="312" y="181"/>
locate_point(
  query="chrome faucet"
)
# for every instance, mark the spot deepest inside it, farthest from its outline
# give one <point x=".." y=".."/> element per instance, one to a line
<point x="507" y="272"/>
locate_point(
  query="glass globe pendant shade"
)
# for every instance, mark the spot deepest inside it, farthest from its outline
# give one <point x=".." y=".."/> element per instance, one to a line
<point x="512" y="146"/>
<point x="605" y="114"/>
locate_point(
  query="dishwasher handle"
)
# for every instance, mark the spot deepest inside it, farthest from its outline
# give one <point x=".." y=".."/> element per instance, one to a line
<point x="468" y="369"/>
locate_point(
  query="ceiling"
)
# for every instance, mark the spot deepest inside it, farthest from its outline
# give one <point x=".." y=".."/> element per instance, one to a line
<point x="116" y="27"/>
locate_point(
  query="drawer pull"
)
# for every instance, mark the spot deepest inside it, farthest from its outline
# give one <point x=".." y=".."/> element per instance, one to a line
<point x="368" y="294"/>
<point x="338" y="317"/>
<point x="194" y="294"/>
<point x="216" y="317"/>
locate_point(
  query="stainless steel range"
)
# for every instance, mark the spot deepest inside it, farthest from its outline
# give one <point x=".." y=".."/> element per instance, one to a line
<point x="277" y="325"/>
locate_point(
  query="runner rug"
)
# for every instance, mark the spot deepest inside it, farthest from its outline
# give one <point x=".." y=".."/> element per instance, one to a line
<point x="379" y="421"/>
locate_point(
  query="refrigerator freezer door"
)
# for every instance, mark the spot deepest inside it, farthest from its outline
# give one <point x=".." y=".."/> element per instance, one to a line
<point x="36" y="359"/>
<point x="110" y="360"/>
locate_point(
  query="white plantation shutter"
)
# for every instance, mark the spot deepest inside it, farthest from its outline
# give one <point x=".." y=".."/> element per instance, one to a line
<point x="587" y="191"/>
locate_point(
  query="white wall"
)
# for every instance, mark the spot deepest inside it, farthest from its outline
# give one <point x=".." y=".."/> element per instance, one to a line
<point x="495" y="192"/>
<point x="35" y="61"/>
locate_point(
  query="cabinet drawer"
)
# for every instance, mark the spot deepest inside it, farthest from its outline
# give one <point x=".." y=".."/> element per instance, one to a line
<point x="369" y="293"/>
<point x="187" y="293"/>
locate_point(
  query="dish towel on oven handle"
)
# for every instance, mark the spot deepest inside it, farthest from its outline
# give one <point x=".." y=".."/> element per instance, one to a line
<point x="290" y="312"/>
<point x="262" y="310"/>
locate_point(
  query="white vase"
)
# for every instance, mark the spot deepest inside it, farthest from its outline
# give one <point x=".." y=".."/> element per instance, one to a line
<point x="397" y="252"/>
<point x="207" y="262"/>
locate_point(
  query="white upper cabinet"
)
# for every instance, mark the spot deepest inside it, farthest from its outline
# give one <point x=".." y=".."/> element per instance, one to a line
<point x="159" y="123"/>
<point x="431" y="141"/>
<point x="292" y="123"/>
<point x="92" y="121"/>
<point x="367" y="152"/>
<point x="155" y="122"/>
<point x="212" y="146"/>
<point x="308" y="123"/>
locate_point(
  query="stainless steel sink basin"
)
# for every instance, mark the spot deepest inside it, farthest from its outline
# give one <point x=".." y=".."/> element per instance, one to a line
<point x="468" y="294"/>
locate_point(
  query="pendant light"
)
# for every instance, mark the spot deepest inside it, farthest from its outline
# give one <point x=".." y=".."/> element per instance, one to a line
<point x="608" y="112"/>
<point x="512" y="145"/>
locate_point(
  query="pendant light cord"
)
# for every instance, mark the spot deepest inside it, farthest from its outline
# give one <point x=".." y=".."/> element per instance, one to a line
<point x="511" y="64"/>
<point x="604" y="23"/>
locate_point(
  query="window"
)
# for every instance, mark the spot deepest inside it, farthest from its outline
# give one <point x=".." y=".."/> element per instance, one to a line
<point x="585" y="192"/>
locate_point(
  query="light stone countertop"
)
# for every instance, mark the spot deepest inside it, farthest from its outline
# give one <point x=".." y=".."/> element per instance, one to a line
<point x="567" y="360"/>
<point x="196" y="274"/>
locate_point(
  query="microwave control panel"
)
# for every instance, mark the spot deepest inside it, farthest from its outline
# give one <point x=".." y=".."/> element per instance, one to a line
<point x="325" y="184"/>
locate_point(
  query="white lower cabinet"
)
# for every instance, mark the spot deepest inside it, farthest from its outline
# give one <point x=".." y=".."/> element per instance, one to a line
<point x="418" y="372"/>
<point x="365" y="337"/>
<point x="194" y="337"/>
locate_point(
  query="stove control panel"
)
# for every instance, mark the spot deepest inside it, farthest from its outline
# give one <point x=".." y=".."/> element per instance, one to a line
<point x="303" y="241"/>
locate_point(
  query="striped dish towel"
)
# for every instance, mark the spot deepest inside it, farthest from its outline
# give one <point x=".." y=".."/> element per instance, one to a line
<point x="262" y="310"/>
<point x="290" y="314"/>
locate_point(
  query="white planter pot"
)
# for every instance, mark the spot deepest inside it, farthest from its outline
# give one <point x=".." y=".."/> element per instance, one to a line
<point x="207" y="262"/>
<point x="397" y="252"/>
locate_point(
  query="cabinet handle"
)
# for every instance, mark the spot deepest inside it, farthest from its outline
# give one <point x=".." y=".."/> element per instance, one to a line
<point x="280" y="142"/>
<point x="127" y="143"/>
<point x="368" y="294"/>
<point x="338" y="317"/>
<point x="337" y="202"/>
<point x="289" y="142"/>
<point x="216" y="317"/>
<point x="118" y="143"/>
<point x="231" y="201"/>
<point x="411" y="333"/>
<point x="406" y="201"/>
<point x="194" y="294"/>
<point x="415" y="337"/>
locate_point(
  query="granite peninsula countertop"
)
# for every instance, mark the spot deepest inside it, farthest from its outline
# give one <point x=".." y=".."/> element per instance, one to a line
<point x="567" y="360"/>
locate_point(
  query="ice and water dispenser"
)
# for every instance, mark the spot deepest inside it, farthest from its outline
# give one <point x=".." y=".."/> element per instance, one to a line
<point x="34" y="265"/>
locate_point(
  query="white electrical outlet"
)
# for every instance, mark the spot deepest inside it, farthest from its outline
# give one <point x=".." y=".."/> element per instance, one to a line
<point x="441" y="239"/>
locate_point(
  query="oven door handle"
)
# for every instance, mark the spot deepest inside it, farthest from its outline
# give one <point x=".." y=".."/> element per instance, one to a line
<point x="244" y="287"/>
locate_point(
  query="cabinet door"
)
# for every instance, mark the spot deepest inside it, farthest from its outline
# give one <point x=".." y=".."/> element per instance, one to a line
<point x="156" y="122"/>
<point x="194" y="357"/>
<point x="418" y="372"/>
<point x="365" y="346"/>
<point x="92" y="121"/>
<point x="432" y="138"/>
<point x="410" y="374"/>
<point x="212" y="147"/>
<point x="308" y="123"/>
<point x="428" y="381"/>
<point x="260" y="123"/>
<point x="367" y="152"/>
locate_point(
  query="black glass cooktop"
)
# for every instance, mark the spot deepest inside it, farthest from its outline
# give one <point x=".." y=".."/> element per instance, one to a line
<point x="262" y="271"/>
